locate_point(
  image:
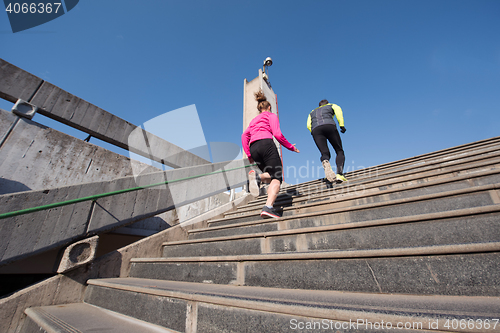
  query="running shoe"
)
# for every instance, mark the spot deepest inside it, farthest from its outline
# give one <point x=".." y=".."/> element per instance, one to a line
<point x="269" y="213"/>
<point x="340" y="178"/>
<point x="253" y="183"/>
<point x="330" y="175"/>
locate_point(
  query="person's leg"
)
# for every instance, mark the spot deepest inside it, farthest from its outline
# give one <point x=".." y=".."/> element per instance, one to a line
<point x="254" y="179"/>
<point x="274" y="178"/>
<point x="253" y="183"/>
<point x="265" y="177"/>
<point x="268" y="211"/>
<point x="321" y="142"/>
<point x="334" y="139"/>
<point x="340" y="160"/>
<point x="272" y="174"/>
<point x="272" y="192"/>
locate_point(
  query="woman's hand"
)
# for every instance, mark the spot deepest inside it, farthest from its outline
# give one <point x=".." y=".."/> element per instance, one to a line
<point x="295" y="148"/>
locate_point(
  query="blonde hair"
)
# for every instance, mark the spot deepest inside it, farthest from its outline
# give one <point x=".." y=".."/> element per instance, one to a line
<point x="262" y="103"/>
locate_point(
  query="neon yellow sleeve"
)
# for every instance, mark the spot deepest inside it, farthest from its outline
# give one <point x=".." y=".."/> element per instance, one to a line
<point x="338" y="113"/>
<point x="309" y="122"/>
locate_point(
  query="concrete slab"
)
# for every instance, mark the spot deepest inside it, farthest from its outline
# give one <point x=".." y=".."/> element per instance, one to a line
<point x="465" y="269"/>
<point x="165" y="312"/>
<point x="329" y="305"/>
<point x="81" y="317"/>
<point x="17" y="83"/>
<point x="459" y="227"/>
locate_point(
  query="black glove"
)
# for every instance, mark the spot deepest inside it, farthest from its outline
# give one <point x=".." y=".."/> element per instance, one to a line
<point x="342" y="129"/>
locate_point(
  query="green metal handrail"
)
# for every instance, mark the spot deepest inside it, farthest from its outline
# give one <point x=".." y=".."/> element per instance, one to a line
<point x="102" y="195"/>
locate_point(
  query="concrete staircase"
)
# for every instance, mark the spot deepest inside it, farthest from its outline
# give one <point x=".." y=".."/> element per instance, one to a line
<point x="413" y="244"/>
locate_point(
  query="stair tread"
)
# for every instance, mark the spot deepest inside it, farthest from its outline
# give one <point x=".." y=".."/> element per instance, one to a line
<point x="337" y="254"/>
<point x="431" y="196"/>
<point x="331" y="227"/>
<point x="83" y="317"/>
<point x="447" y="153"/>
<point x="331" y="301"/>
<point x="387" y="182"/>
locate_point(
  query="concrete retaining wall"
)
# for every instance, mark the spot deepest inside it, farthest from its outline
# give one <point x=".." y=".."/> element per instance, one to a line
<point x="35" y="157"/>
<point x="41" y="231"/>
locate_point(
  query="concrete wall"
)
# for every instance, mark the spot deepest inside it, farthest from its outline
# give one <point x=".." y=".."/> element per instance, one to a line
<point x="178" y="215"/>
<point x="41" y="231"/>
<point x="35" y="157"/>
<point x="250" y="110"/>
<point x="46" y="262"/>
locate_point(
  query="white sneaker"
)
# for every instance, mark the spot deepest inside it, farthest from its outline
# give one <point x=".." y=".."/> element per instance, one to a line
<point x="330" y="175"/>
<point x="253" y="185"/>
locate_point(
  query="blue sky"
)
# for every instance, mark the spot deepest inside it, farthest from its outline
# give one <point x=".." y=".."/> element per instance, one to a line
<point x="412" y="77"/>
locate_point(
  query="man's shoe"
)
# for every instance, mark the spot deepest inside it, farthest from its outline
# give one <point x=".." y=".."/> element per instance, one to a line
<point x="269" y="213"/>
<point x="253" y="183"/>
<point x="330" y="175"/>
<point x="340" y="178"/>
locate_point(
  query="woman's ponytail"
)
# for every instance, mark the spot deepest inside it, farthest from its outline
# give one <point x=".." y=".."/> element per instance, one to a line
<point x="262" y="103"/>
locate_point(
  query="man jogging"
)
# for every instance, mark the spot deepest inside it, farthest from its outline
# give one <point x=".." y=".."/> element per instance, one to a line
<point x="322" y="126"/>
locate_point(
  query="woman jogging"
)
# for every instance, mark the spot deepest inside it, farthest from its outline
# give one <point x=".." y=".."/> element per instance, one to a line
<point x="258" y="144"/>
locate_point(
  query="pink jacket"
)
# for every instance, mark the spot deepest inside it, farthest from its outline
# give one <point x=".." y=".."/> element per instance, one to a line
<point x="264" y="126"/>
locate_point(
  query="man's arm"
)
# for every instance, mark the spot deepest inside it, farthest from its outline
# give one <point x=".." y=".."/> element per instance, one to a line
<point x="338" y="113"/>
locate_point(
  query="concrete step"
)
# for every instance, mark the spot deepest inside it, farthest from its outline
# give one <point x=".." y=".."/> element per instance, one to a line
<point x="82" y="317"/>
<point x="467" y="161"/>
<point x="225" y="308"/>
<point x="464" y="269"/>
<point x="476" y="153"/>
<point x="474" y="149"/>
<point x="462" y="226"/>
<point x="448" y="153"/>
<point x="429" y="164"/>
<point x="357" y="209"/>
<point x="480" y="160"/>
<point x="353" y="188"/>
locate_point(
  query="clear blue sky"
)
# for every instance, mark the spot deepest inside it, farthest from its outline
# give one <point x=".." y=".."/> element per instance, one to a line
<point x="412" y="77"/>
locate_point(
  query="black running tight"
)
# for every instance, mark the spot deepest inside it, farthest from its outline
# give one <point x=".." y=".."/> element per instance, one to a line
<point x="328" y="133"/>
<point x="265" y="154"/>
